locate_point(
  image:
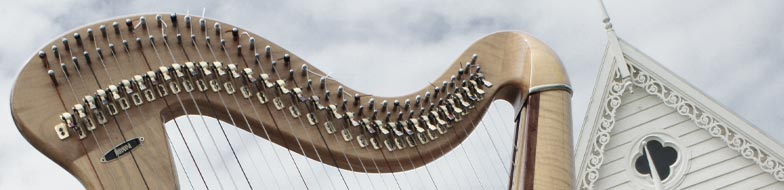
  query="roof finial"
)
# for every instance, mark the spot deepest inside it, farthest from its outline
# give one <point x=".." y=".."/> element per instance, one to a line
<point x="605" y="16"/>
<point x="614" y="49"/>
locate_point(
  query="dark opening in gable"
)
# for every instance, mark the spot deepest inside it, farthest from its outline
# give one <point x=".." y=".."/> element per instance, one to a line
<point x="663" y="158"/>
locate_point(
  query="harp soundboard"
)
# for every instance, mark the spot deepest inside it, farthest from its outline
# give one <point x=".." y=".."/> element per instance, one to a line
<point x="96" y="99"/>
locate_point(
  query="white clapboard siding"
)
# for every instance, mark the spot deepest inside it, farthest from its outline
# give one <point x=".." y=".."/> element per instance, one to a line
<point x="712" y="164"/>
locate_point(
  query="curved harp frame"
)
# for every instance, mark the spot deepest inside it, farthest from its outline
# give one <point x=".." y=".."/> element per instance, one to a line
<point x="514" y="62"/>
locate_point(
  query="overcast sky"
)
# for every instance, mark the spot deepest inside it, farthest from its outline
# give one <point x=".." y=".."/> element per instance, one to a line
<point x="731" y="50"/>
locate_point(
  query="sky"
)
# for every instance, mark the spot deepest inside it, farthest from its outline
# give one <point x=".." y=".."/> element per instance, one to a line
<point x="731" y="50"/>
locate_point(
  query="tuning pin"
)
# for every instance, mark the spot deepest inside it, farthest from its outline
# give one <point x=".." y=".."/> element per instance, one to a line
<point x="356" y="99"/>
<point x="158" y="19"/>
<point x="417" y="100"/>
<point x="473" y="59"/>
<point x="65" y="69"/>
<point x="112" y="49"/>
<point x="125" y="45"/>
<point x="217" y="28"/>
<point x="460" y="73"/>
<point x="207" y="41"/>
<point x="65" y="44"/>
<point x="343" y="104"/>
<point x="323" y="81"/>
<point x="411" y="114"/>
<point x="193" y="39"/>
<point x="436" y="91"/>
<point x="235" y="33"/>
<point x="340" y="91"/>
<point x="395" y="104"/>
<point x="384" y="105"/>
<point x="372" y="103"/>
<point x="387" y="117"/>
<point x="287" y="60"/>
<point x="360" y="110"/>
<point x="326" y="95"/>
<point x="129" y="24"/>
<point x="78" y="39"/>
<point x="188" y="21"/>
<point x="252" y="44"/>
<point x="427" y="96"/>
<point x="44" y="60"/>
<point x="239" y="50"/>
<point x="52" y="77"/>
<point x="443" y="85"/>
<point x="373" y="115"/>
<point x="257" y="60"/>
<point x="55" y="51"/>
<point x="179" y="38"/>
<point x="102" y="28"/>
<point x="203" y="24"/>
<point x="173" y="18"/>
<point x="310" y="84"/>
<point x="152" y="39"/>
<point x="165" y="37"/>
<point x="76" y="63"/>
<point x="399" y="115"/>
<point x="268" y="51"/>
<point x="87" y="58"/>
<point x="452" y="81"/>
<point x="116" y="27"/>
<point x="223" y="44"/>
<point x="274" y="66"/>
<point x="143" y="22"/>
<point x="139" y="41"/>
<point x="90" y="34"/>
<point x="304" y="70"/>
<point x="408" y="104"/>
<point x="291" y="74"/>
<point x="478" y="69"/>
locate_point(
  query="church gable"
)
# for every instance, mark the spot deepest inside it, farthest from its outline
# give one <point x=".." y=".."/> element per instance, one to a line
<point x="695" y="143"/>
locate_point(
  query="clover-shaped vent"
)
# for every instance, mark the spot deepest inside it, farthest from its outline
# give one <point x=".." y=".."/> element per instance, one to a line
<point x="663" y="158"/>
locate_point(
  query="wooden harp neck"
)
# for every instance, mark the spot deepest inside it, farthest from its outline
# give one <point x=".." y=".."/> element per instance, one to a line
<point x="215" y="69"/>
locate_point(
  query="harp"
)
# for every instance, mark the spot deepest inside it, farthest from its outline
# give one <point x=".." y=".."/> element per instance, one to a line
<point x="95" y="102"/>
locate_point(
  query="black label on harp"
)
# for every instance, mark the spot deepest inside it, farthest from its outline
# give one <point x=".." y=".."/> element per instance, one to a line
<point x="122" y="149"/>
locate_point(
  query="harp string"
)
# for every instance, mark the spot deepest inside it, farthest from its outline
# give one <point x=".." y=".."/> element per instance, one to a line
<point x="193" y="42"/>
<point x="255" y="111"/>
<point x="198" y="110"/>
<point x="70" y="87"/>
<point x="499" y="127"/>
<point x="492" y="143"/>
<point x="98" y="83"/>
<point x="285" y="116"/>
<point x="114" y="56"/>
<point x="248" y="124"/>
<point x="266" y="133"/>
<point x="476" y="131"/>
<point x="335" y="138"/>
<point x="111" y="80"/>
<point x="470" y="163"/>
<point x="177" y="156"/>
<point x="168" y="109"/>
<point x="182" y="105"/>
<point x="252" y="104"/>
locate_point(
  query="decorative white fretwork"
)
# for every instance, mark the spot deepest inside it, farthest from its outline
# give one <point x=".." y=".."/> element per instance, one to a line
<point x="685" y="106"/>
